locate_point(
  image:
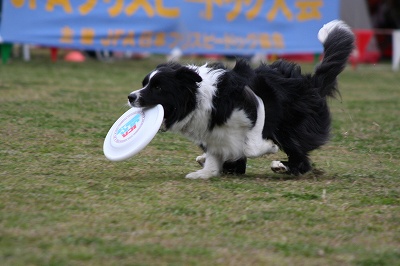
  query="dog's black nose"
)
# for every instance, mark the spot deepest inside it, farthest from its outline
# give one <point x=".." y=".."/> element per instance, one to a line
<point x="132" y="97"/>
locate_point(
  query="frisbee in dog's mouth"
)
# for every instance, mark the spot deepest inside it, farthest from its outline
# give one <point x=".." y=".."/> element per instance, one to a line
<point x="132" y="132"/>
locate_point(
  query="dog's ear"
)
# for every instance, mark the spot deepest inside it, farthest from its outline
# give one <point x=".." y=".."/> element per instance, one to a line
<point x="187" y="74"/>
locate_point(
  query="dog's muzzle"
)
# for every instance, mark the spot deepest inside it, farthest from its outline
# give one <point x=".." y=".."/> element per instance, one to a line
<point x="132" y="99"/>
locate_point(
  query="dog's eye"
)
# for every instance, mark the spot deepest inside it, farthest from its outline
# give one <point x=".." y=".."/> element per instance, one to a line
<point x="158" y="88"/>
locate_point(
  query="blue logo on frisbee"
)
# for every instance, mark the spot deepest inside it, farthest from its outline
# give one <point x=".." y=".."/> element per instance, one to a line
<point x="128" y="127"/>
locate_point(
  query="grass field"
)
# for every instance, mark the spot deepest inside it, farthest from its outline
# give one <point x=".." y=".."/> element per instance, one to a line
<point x="63" y="203"/>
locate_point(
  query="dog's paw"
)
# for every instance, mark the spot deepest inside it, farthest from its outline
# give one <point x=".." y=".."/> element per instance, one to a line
<point x="201" y="159"/>
<point x="201" y="174"/>
<point x="279" y="167"/>
<point x="274" y="148"/>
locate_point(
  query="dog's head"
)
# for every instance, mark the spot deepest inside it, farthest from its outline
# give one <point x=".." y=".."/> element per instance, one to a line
<point x="171" y="85"/>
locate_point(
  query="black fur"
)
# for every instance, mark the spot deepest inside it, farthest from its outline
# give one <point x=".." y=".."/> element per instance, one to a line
<point x="297" y="116"/>
<point x="233" y="86"/>
<point x="178" y="103"/>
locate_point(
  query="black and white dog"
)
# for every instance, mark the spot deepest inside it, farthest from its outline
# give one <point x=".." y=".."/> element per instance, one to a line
<point x="244" y="112"/>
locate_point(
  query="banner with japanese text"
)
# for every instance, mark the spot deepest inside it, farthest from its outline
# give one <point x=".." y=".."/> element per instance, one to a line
<point x="158" y="26"/>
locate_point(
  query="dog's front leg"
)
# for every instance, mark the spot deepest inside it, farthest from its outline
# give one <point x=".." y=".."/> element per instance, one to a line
<point x="212" y="167"/>
<point x="201" y="159"/>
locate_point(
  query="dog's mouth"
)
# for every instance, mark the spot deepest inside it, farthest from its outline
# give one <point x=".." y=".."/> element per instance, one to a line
<point x="133" y="105"/>
<point x="135" y="100"/>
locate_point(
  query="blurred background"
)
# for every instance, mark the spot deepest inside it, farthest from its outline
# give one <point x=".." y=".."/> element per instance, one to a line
<point x="127" y="30"/>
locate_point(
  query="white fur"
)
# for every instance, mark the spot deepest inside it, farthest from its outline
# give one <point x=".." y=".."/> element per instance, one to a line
<point x="195" y="125"/>
<point x="240" y="136"/>
<point x="235" y="139"/>
<point x="232" y="141"/>
<point x="207" y="87"/>
<point x="278" y="167"/>
<point x="255" y="144"/>
<point x="229" y="142"/>
<point x="153" y="74"/>
<point x="329" y="27"/>
<point x="201" y="159"/>
<point x="212" y="167"/>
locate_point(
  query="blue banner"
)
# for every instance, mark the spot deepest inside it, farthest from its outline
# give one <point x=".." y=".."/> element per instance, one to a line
<point x="158" y="26"/>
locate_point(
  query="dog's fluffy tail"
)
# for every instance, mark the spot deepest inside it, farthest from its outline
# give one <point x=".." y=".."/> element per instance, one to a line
<point x="338" y="41"/>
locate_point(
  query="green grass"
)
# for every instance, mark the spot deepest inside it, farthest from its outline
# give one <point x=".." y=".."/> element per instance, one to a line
<point x="63" y="203"/>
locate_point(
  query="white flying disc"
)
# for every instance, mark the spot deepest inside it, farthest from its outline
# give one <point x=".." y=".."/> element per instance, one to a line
<point x="132" y="132"/>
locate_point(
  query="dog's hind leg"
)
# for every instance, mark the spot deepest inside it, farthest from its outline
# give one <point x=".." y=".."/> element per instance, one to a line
<point x="297" y="165"/>
<point x="255" y="145"/>
<point x="237" y="167"/>
<point x="259" y="147"/>
<point x="212" y="167"/>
